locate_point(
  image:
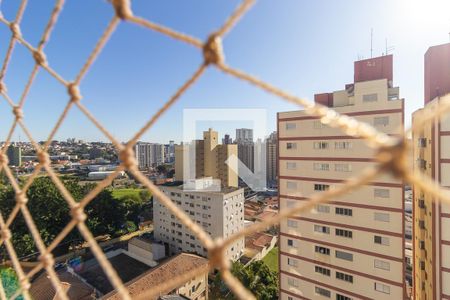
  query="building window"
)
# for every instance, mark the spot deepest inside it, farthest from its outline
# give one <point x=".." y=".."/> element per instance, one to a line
<point x="321" y="145"/>
<point x="292" y="262"/>
<point x="382" y="217"/>
<point x="382" y="288"/>
<point x="344" y="233"/>
<point x="421" y="163"/>
<point x="318" y="125"/>
<point x="323" y="271"/>
<point x="291" y="126"/>
<point x="343" y="145"/>
<point x="292" y="223"/>
<point x="342" y="297"/>
<point x="421" y="224"/>
<point x="381" y="264"/>
<point x="322" y="229"/>
<point x="344" y="255"/>
<point x="291" y="165"/>
<point x="344" y="277"/>
<point x="381" y="121"/>
<point x="323" y="209"/>
<point x="290" y="146"/>
<point x="381" y="240"/>
<point x="422" y="245"/>
<point x="370" y="98"/>
<point x="322" y="250"/>
<point x="344" y="211"/>
<point x="293" y="282"/>
<point x="343" y="167"/>
<point x="322" y="292"/>
<point x="291" y="243"/>
<point x="381" y="193"/>
<point x="321" y="167"/>
<point x="291" y="185"/>
<point x="422" y="142"/>
<point x="321" y="187"/>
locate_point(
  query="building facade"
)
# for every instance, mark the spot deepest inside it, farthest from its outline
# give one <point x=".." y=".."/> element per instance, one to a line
<point x="271" y="159"/>
<point x="352" y="247"/>
<point x="227" y="139"/>
<point x="431" y="153"/>
<point x="244" y="135"/>
<point x="149" y="154"/>
<point x="220" y="214"/>
<point x="209" y="159"/>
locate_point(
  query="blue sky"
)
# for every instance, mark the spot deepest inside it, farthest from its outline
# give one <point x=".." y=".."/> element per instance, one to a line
<point x="302" y="46"/>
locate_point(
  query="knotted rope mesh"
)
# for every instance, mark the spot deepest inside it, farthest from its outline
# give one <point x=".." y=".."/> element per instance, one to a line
<point x="391" y="157"/>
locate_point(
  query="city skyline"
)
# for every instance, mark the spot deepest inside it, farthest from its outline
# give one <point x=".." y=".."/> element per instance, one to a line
<point x="304" y="69"/>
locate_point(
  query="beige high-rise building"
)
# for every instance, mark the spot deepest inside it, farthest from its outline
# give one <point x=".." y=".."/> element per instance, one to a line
<point x="210" y="160"/>
<point x="352" y="247"/>
<point x="431" y="220"/>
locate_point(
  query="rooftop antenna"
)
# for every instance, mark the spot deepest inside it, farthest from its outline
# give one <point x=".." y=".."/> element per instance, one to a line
<point x="371" y="43"/>
<point x="389" y="48"/>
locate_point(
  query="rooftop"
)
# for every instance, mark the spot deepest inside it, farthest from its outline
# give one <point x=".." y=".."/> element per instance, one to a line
<point x="166" y="271"/>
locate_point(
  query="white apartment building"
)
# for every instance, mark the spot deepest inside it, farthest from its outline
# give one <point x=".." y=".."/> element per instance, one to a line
<point x="149" y="154"/>
<point x="352" y="247"/>
<point x="220" y="214"/>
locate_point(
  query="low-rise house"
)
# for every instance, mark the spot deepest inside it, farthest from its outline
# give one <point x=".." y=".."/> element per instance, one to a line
<point x="195" y="288"/>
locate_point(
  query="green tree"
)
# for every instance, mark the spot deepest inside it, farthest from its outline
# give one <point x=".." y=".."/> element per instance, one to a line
<point x="256" y="277"/>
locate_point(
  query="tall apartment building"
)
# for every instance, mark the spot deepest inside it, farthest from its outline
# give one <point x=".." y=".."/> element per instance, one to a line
<point x="149" y="154"/>
<point x="227" y="139"/>
<point x="209" y="159"/>
<point x="352" y="247"/>
<point x="271" y="158"/>
<point x="14" y="154"/>
<point x="431" y="265"/>
<point x="220" y="214"/>
<point x="244" y="135"/>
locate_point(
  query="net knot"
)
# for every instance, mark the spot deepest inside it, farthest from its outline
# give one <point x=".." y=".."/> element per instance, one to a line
<point x="213" y="50"/>
<point x="123" y="9"/>
<point x="47" y="260"/>
<point x="17" y="111"/>
<point x="15" y="29"/>
<point x="74" y="92"/>
<point x="40" y="57"/>
<point x="78" y="214"/>
<point x="3" y="159"/>
<point x="217" y="257"/>
<point x="393" y="158"/>
<point x="6" y="234"/>
<point x="25" y="284"/>
<point x="21" y="199"/>
<point x="43" y="158"/>
<point x="2" y="87"/>
<point x="127" y="158"/>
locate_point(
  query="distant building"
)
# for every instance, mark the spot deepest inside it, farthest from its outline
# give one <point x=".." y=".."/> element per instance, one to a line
<point x="246" y="154"/>
<point x="14" y="154"/>
<point x="193" y="288"/>
<point x="149" y="154"/>
<point x="169" y="152"/>
<point x="244" y="135"/>
<point x="209" y="160"/>
<point x="220" y="214"/>
<point x="271" y="159"/>
<point x="431" y="219"/>
<point x="227" y="140"/>
<point x="352" y="247"/>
